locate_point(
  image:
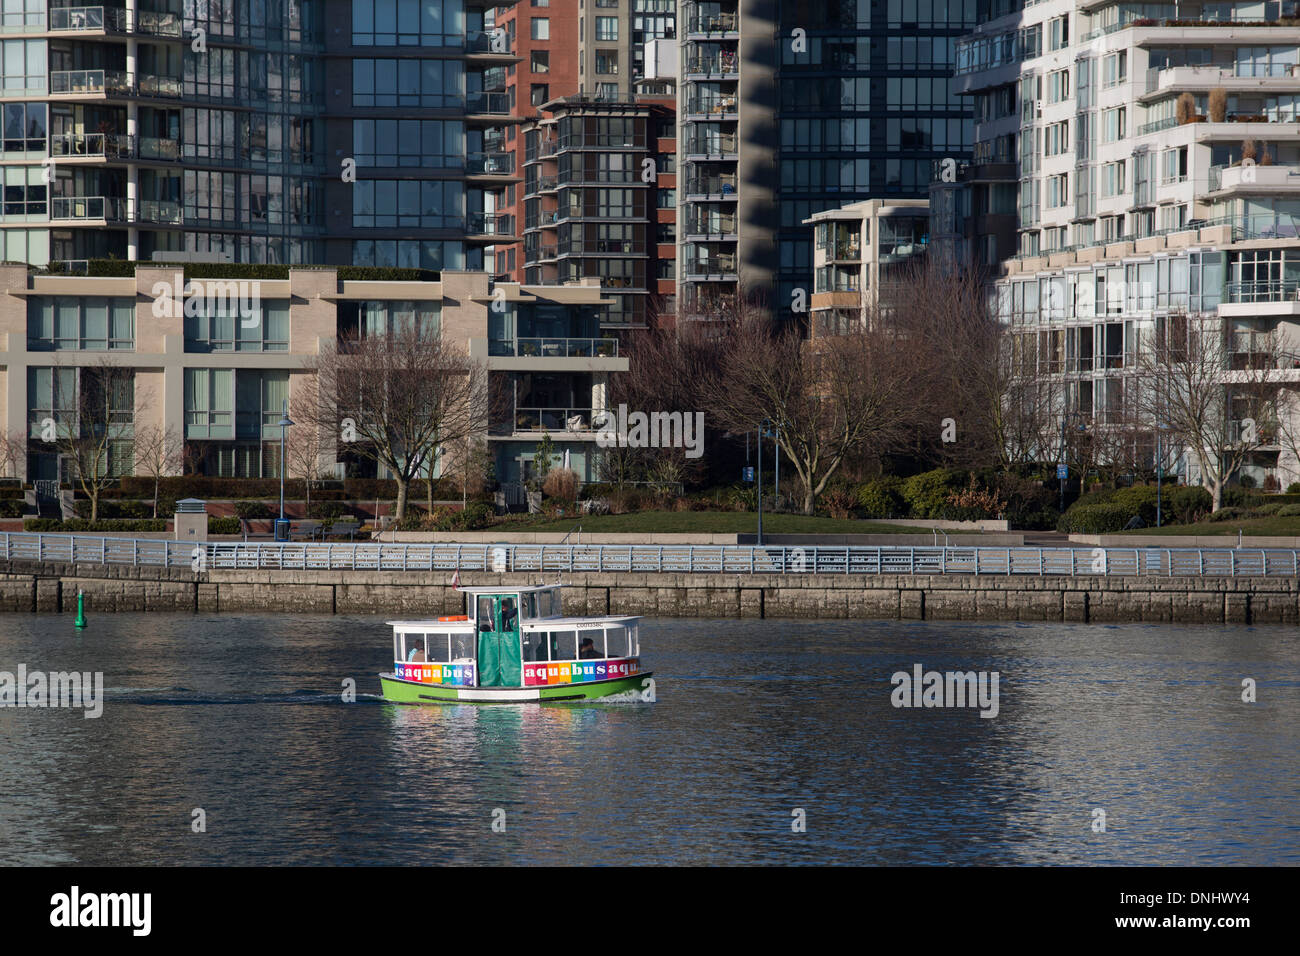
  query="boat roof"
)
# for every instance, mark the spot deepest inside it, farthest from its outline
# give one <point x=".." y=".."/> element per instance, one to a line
<point x="509" y="588"/>
<point x="543" y="623"/>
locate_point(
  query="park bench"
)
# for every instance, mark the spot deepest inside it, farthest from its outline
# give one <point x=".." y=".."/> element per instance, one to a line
<point x="304" y="530"/>
<point x="341" y="527"/>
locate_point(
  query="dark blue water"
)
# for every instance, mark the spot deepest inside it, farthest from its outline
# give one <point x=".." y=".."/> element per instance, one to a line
<point x="242" y="716"/>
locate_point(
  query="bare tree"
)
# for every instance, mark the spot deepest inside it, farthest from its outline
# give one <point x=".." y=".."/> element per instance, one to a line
<point x="159" y="451"/>
<point x="1213" y="393"/>
<point x="13" y="453"/>
<point x="103" y="412"/>
<point x="304" y="446"/>
<point x="396" y="397"/>
<point x="827" y="397"/>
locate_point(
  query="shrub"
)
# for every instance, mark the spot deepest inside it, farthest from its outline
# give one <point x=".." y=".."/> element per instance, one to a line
<point x="223" y="526"/>
<point x="562" y="484"/>
<point x="1293" y="488"/>
<point x="254" y="509"/>
<point x="327" y="510"/>
<point x="881" y="498"/>
<point x="1218" y="104"/>
<point x="115" y="508"/>
<point x="1186" y="504"/>
<point x="1185" y="108"/>
<point x="1289" y="511"/>
<point x="838" y="501"/>
<point x="1228" y="514"/>
<point x="1246" y="481"/>
<point x="972" y="504"/>
<point x="1095" y="519"/>
<point x="81" y="524"/>
<point x="12" y="507"/>
<point x="927" y="493"/>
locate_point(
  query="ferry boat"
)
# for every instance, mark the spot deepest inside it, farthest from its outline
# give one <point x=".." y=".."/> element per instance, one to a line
<point x="512" y="645"/>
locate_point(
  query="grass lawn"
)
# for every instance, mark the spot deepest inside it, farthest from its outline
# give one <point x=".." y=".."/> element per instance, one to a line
<point x="709" y="522"/>
<point x="1283" y="527"/>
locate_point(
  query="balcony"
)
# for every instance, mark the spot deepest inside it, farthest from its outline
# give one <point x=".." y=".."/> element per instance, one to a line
<point x="487" y="104"/>
<point x="92" y="145"/>
<point x="711" y="226"/>
<point x="712" y="106"/>
<point x="1271" y="290"/>
<point x="724" y="145"/>
<point x="846" y="250"/>
<point x="489" y="224"/>
<point x="556" y="347"/>
<point x="489" y="42"/>
<point x="1254" y="178"/>
<point x="160" y="211"/>
<point x="99" y="208"/>
<point x="725" y="63"/>
<point x="546" y="184"/>
<point x="722" y="264"/>
<point x="553" y="419"/>
<point x="724" y="186"/>
<point x="112" y="82"/>
<point x="490" y="164"/>
<point x="712" y="23"/>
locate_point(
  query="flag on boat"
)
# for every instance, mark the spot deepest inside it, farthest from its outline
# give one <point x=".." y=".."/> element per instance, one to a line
<point x="455" y="580"/>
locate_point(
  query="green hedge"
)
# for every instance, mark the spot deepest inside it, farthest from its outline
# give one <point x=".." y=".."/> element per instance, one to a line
<point x="927" y="494"/>
<point x="881" y="498"/>
<point x="119" y="268"/>
<point x="223" y="526"/>
<point x="1095" y="519"/>
<point x="81" y="524"/>
<point x="12" y="507"/>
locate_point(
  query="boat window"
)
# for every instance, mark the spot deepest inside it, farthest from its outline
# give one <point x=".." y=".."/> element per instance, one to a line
<point x="534" y="645"/>
<point x="438" y="649"/>
<point x="397" y="646"/>
<point x="634" y="636"/>
<point x="555" y="603"/>
<point x="484" y="617"/>
<point x="462" y="647"/>
<point x="414" y="649"/>
<point x="543" y="603"/>
<point x="564" y="645"/>
<point x="617" y="641"/>
<point x="528" y="605"/>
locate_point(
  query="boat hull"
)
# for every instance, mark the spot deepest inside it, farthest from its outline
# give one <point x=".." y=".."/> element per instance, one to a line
<point x="398" y="691"/>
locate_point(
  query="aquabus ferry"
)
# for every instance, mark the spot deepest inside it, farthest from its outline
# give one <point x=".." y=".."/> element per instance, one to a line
<point x="513" y="645"/>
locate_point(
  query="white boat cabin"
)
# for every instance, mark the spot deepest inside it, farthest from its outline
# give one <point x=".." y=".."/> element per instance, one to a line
<point x="515" y="637"/>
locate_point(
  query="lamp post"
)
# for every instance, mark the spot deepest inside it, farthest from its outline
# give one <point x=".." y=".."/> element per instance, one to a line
<point x="285" y="422"/>
<point x="762" y="427"/>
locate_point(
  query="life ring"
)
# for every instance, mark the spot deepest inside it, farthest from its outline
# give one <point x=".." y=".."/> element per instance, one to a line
<point x="455" y="617"/>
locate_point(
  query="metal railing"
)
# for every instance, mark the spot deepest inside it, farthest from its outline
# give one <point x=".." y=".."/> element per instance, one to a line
<point x="556" y="347"/>
<point x="703" y="559"/>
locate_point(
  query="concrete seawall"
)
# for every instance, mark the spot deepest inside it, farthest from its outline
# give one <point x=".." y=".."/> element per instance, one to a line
<point x="53" y="588"/>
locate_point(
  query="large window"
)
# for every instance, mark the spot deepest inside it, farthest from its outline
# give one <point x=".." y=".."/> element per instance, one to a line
<point x="226" y="328"/>
<point x="209" y="403"/>
<point x="409" y="142"/>
<point x="541" y="28"/>
<point x="408" y="22"/>
<point x="391" y="82"/>
<point x="607" y="28"/>
<point x="92" y="323"/>
<point x="392" y="204"/>
<point x="386" y="317"/>
<point x="24" y="127"/>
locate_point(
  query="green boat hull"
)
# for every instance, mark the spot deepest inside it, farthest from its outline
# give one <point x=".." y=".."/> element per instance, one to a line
<point x="411" y="692"/>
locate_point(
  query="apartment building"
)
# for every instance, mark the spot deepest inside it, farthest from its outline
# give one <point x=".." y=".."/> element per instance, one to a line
<point x="1153" y="155"/>
<point x="599" y="190"/>
<point x="856" y="248"/>
<point x="787" y="110"/>
<point x="369" y="133"/>
<point x="220" y="381"/>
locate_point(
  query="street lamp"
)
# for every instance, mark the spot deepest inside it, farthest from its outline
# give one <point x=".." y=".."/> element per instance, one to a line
<point x="285" y="422"/>
<point x="1160" y="462"/>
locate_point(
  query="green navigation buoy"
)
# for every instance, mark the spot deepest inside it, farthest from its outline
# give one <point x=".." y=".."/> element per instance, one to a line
<point x="80" y="622"/>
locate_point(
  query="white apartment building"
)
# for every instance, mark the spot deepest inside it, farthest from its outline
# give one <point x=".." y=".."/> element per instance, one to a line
<point x="1150" y="154"/>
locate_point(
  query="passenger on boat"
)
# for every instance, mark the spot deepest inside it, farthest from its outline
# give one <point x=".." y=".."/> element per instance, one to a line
<point x="509" y="615"/>
<point x="588" y="649"/>
<point x="416" y="653"/>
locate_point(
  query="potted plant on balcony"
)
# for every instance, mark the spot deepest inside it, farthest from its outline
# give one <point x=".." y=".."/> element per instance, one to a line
<point x="1184" y="108"/>
<point x="1248" y="150"/>
<point x="1218" y="104"/>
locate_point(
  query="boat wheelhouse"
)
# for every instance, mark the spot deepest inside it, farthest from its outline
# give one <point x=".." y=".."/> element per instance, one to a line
<point x="513" y="644"/>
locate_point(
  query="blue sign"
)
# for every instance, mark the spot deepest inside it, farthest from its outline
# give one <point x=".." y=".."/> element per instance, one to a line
<point x="749" y="474"/>
<point x="1063" y="471"/>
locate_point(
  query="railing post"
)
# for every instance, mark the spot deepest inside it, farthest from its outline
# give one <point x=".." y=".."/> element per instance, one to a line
<point x="40" y="547"/>
<point x="103" y="550"/>
<point x="1200" y="561"/>
<point x="135" y="552"/>
<point x="1232" y="564"/>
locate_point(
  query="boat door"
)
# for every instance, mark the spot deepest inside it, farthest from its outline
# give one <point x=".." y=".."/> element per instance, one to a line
<point x="500" y="663"/>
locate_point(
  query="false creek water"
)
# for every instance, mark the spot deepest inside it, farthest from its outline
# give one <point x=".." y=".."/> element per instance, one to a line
<point x="242" y="716"/>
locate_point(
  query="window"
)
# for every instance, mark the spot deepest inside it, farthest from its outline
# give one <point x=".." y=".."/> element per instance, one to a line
<point x="541" y="28"/>
<point x="539" y="93"/>
<point x="1112" y="178"/>
<point x="1058" y="33"/>
<point x="1173" y="166"/>
<point x="607" y="28"/>
<point x="91" y="323"/>
<point x="24" y="130"/>
<point x="1114" y="69"/>
<point x="1056" y="138"/>
<point x="412" y="82"/>
<point x="409" y="142"/>
<point x="607" y="61"/>
<point x="230" y="325"/>
<point x="1113" y="125"/>
<point x="1058" y="86"/>
<point x="390" y="204"/>
<point x="407" y="22"/>
<point x="540" y="61"/>
<point x="1058" y="190"/>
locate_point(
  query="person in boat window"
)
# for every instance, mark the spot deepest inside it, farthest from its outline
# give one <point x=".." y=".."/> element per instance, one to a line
<point x="416" y="653"/>
<point x="509" y="615"/>
<point x="588" y="649"/>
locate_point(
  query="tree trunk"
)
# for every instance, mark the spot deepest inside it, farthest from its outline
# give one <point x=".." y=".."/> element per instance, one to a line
<point x="809" y="501"/>
<point x="156" y="482"/>
<point x="1216" y="496"/>
<point x="428" y="488"/>
<point x="401" y="499"/>
<point x="94" y="504"/>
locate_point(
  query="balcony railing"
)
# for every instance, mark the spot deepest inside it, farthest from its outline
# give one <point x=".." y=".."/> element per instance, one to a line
<point x="556" y="347"/>
<point x="711" y="105"/>
<point x="152" y="147"/>
<point x="112" y="81"/>
<point x="108" y="208"/>
<point x="712" y="23"/>
<point x="1281" y="290"/>
<point x="488" y="103"/>
<point x="711" y="186"/>
<point x="107" y="145"/>
<point x="712" y="145"/>
<point x="712" y="226"/>
<point x="553" y="419"/>
<point x="711" y="265"/>
<point x="490" y="164"/>
<point x="155" y="210"/>
<point x="725" y="62"/>
<point x="849" y="250"/>
<point x="497" y="41"/>
<point x="78" y="18"/>
<point x="487" y="224"/>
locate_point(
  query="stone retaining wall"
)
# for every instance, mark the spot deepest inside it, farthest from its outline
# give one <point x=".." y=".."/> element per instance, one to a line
<point x="53" y="588"/>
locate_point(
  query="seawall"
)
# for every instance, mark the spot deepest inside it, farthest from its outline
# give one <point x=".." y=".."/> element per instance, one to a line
<point x="52" y="588"/>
